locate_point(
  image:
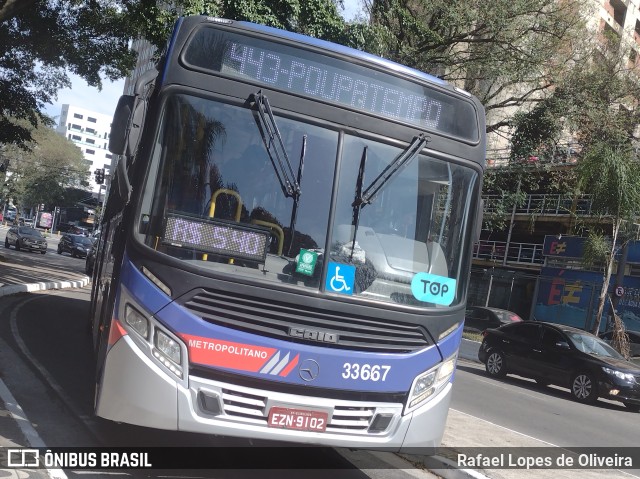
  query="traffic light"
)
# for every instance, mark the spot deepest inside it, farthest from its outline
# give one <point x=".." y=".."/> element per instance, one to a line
<point x="99" y="176"/>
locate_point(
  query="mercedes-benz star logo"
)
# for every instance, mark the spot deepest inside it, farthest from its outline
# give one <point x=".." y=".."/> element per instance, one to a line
<point x="309" y="370"/>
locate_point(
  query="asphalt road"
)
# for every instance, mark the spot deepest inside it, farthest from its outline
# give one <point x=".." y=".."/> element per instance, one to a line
<point x="546" y="413"/>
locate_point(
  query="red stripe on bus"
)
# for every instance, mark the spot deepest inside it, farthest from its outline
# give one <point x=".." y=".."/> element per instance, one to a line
<point x="290" y="366"/>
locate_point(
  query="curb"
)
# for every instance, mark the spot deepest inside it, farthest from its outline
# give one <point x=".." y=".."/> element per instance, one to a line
<point x="29" y="288"/>
<point x="469" y="350"/>
<point x="445" y="468"/>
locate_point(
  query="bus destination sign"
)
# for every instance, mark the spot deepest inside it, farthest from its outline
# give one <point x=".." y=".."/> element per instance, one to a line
<point x="331" y="79"/>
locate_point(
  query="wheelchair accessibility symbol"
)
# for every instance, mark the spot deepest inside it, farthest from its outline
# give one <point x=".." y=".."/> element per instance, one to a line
<point x="340" y="278"/>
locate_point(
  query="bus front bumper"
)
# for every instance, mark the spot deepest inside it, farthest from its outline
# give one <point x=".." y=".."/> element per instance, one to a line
<point x="135" y="390"/>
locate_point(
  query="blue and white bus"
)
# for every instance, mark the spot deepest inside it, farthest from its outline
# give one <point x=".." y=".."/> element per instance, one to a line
<point x="286" y="245"/>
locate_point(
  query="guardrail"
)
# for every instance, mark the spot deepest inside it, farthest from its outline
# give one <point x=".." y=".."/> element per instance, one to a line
<point x="496" y="251"/>
<point x="545" y="204"/>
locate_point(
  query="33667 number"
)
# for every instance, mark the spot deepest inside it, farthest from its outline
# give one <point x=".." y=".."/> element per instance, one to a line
<point x="365" y="372"/>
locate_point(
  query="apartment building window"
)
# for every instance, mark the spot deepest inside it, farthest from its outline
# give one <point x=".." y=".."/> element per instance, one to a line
<point x="90" y="130"/>
<point x="91" y="141"/>
<point x="90" y="152"/>
<point x="619" y="11"/>
<point x="76" y="127"/>
<point x="91" y="120"/>
<point x="77" y="115"/>
<point x="108" y="156"/>
<point x="76" y="138"/>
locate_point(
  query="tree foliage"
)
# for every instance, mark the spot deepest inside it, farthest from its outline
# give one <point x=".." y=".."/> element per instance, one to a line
<point x="507" y="52"/>
<point x="46" y="171"/>
<point x="611" y="174"/>
<point x="40" y="41"/>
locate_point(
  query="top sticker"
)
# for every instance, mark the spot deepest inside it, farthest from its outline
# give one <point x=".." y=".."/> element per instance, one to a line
<point x="432" y="288"/>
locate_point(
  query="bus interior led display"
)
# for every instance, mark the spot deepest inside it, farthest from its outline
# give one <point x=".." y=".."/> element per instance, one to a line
<point x="217" y="237"/>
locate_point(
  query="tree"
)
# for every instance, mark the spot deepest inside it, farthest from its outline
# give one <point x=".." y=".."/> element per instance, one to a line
<point x="509" y="53"/>
<point x="611" y="174"/>
<point x="44" y="172"/>
<point x="316" y="18"/>
<point x="41" y="40"/>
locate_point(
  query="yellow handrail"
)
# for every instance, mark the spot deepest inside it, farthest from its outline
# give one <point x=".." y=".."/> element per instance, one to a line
<point x="214" y="197"/>
<point x="278" y="230"/>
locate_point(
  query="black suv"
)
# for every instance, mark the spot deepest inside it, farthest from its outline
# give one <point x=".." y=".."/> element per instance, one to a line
<point x="76" y="245"/>
<point x="25" y="237"/>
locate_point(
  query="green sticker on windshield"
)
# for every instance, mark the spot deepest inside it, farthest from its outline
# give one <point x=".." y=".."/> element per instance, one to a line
<point x="306" y="262"/>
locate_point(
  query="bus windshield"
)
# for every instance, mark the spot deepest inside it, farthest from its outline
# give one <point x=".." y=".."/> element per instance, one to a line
<point x="213" y="199"/>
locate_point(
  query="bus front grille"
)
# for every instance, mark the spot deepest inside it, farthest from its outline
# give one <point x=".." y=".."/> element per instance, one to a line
<point x="253" y="409"/>
<point x="293" y="322"/>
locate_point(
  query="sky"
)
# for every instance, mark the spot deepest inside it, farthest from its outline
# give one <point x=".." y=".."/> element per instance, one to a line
<point x="82" y="95"/>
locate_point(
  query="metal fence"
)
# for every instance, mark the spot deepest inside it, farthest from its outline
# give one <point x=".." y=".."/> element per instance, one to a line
<point x="545" y="204"/>
<point x="497" y="251"/>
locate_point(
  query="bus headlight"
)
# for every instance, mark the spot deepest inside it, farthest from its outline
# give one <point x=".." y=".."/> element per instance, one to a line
<point x="429" y="383"/>
<point x="168" y="347"/>
<point x="137" y="321"/>
<point x="154" y="340"/>
<point x="168" y="352"/>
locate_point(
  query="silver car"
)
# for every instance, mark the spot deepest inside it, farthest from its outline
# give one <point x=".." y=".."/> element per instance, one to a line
<point x="25" y="237"/>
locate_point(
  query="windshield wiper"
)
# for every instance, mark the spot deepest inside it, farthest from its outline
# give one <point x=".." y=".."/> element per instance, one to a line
<point x="272" y="139"/>
<point x="296" y="198"/>
<point x="275" y="147"/>
<point x="392" y="170"/>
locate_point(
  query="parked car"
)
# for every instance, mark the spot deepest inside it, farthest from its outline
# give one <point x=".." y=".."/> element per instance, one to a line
<point x="479" y="318"/>
<point x="11" y="214"/>
<point x="634" y="341"/>
<point x="76" y="245"/>
<point x="25" y="237"/>
<point x="562" y="355"/>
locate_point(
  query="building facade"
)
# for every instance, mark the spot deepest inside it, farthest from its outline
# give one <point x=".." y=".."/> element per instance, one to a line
<point x="90" y="132"/>
<point x="534" y="265"/>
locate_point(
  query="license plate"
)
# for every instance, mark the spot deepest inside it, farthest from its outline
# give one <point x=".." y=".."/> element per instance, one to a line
<point x="299" y="419"/>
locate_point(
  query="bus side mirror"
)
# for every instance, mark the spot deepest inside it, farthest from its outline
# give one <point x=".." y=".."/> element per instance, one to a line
<point x="120" y="124"/>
